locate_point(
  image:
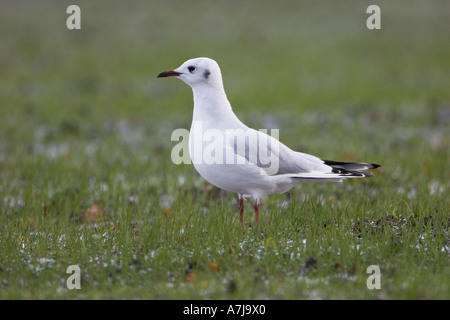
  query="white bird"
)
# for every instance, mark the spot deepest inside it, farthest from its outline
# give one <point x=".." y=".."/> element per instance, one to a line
<point x="236" y="158"/>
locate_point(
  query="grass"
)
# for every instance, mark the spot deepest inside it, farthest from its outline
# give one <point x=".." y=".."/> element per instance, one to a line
<point x="86" y="176"/>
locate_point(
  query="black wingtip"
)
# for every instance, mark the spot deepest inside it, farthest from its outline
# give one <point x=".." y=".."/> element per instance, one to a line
<point x="337" y="170"/>
<point x="351" y="166"/>
<point x="349" y="173"/>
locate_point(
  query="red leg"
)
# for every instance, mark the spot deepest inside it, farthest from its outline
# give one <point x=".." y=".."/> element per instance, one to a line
<point x="256" y="207"/>
<point x="241" y="208"/>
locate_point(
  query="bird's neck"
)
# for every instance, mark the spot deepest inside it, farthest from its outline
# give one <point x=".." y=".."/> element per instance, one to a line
<point x="211" y="104"/>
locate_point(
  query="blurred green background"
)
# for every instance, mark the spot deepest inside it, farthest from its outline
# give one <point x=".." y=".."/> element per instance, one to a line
<point x="293" y="59"/>
<point x="83" y="119"/>
<point x="295" y="55"/>
<point x="311" y="68"/>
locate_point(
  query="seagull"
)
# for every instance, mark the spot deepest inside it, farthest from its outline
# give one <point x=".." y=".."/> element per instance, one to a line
<point x="236" y="158"/>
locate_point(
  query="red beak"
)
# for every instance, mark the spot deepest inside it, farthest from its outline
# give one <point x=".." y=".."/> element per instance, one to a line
<point x="169" y="73"/>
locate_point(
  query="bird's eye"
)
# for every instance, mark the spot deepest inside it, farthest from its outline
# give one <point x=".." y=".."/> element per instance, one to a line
<point x="191" y="69"/>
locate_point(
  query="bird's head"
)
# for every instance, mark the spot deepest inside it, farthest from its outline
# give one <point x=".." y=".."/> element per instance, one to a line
<point x="197" y="72"/>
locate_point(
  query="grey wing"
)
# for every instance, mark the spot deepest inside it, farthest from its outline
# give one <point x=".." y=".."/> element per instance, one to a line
<point x="273" y="156"/>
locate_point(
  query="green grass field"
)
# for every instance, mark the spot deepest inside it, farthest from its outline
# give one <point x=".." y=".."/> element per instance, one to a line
<point x="86" y="176"/>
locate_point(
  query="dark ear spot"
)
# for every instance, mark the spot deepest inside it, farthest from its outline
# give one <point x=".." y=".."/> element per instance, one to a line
<point x="206" y="74"/>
